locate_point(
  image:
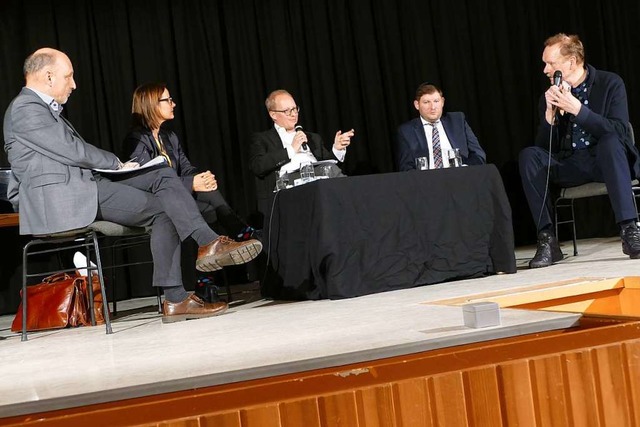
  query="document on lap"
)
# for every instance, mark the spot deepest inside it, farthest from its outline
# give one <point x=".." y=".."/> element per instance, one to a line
<point x="153" y="162"/>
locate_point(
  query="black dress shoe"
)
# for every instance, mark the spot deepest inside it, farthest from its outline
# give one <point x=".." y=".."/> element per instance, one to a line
<point x="631" y="241"/>
<point x="547" y="252"/>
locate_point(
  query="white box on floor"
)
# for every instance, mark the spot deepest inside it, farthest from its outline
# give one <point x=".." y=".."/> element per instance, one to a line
<point x="481" y="314"/>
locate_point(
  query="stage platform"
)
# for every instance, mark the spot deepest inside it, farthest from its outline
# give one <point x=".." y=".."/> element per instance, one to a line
<point x="259" y="338"/>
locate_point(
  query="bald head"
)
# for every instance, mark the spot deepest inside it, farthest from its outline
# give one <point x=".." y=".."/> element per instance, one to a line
<point x="50" y="71"/>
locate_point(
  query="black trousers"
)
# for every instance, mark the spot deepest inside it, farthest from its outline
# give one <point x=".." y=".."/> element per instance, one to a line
<point x="605" y="162"/>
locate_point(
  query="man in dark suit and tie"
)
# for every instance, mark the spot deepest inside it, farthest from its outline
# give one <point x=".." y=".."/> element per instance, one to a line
<point x="434" y="134"/>
<point x="284" y="147"/>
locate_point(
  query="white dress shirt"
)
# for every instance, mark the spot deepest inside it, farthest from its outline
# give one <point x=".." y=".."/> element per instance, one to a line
<point x="302" y="156"/>
<point x="445" y="145"/>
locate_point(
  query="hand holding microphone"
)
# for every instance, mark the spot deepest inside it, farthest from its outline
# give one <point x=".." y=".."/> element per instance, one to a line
<point x="551" y="95"/>
<point x="301" y="136"/>
<point x="561" y="99"/>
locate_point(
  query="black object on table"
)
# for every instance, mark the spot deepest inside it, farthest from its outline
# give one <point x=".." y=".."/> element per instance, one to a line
<point x="351" y="236"/>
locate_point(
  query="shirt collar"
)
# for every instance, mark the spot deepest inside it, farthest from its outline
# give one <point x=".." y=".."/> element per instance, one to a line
<point x="47" y="100"/>
<point x="280" y="129"/>
<point x="425" y="122"/>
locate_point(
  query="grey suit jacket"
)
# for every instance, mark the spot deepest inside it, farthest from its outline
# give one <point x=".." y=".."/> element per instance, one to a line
<point x="51" y="167"/>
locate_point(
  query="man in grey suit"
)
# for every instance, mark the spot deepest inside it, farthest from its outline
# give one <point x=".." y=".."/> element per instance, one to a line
<point x="58" y="191"/>
<point x="451" y="130"/>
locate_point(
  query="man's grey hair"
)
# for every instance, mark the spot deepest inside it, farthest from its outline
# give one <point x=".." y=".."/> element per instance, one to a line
<point x="37" y="61"/>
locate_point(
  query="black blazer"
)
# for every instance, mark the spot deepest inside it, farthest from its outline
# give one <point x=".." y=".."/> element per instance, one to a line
<point x="607" y="113"/>
<point x="139" y="144"/>
<point x="267" y="156"/>
<point x="412" y="143"/>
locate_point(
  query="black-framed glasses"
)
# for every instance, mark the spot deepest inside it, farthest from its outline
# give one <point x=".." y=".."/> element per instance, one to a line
<point x="169" y="100"/>
<point x="290" y="112"/>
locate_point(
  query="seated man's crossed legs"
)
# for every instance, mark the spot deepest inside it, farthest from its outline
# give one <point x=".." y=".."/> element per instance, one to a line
<point x="158" y="199"/>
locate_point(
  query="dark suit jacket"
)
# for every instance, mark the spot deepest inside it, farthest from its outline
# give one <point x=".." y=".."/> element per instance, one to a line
<point x="139" y="144"/>
<point x="412" y="142"/>
<point x="51" y="166"/>
<point x="607" y="113"/>
<point x="267" y="156"/>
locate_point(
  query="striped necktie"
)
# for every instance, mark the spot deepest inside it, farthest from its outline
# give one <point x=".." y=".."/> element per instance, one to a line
<point x="435" y="142"/>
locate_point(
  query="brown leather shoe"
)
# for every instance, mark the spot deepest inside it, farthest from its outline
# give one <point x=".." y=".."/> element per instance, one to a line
<point x="191" y="308"/>
<point x="224" y="251"/>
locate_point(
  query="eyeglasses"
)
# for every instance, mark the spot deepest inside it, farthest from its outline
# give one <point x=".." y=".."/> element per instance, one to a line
<point x="290" y="112"/>
<point x="169" y="100"/>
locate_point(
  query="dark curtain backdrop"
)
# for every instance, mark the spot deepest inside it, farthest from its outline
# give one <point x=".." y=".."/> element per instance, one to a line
<point x="349" y="64"/>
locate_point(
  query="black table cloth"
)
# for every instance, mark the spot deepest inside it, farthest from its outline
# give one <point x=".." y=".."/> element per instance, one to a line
<point x="352" y="236"/>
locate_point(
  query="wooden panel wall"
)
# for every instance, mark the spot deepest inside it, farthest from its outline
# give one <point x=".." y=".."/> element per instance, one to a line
<point x="588" y="387"/>
<point x="589" y="377"/>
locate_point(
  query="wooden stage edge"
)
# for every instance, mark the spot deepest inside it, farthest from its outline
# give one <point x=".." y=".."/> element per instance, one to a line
<point x="574" y="376"/>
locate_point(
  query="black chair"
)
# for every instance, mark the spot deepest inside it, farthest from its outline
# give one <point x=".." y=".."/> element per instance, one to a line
<point x="88" y="240"/>
<point x="85" y="239"/>
<point x="569" y="194"/>
<point x="118" y="238"/>
<point x="5" y="205"/>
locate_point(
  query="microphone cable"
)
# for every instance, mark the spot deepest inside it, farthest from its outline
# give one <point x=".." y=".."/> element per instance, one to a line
<point x="273" y="205"/>
<point x="546" y="186"/>
<point x="557" y="81"/>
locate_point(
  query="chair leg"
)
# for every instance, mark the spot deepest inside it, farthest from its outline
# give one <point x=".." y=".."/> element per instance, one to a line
<point x="105" y="304"/>
<point x="90" y="298"/>
<point x="555" y="213"/>
<point x="635" y="205"/>
<point x="112" y="274"/>
<point x="159" y="296"/>
<point x="25" y="250"/>
<point x="227" y="286"/>
<point x="573" y="225"/>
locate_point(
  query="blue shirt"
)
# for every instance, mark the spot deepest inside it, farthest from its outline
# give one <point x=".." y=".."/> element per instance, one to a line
<point x="580" y="139"/>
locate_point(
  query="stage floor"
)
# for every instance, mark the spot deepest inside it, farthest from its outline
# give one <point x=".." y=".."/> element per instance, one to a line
<point x="260" y="338"/>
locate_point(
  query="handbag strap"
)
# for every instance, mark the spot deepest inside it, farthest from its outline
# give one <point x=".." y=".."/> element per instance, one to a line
<point x="57" y="277"/>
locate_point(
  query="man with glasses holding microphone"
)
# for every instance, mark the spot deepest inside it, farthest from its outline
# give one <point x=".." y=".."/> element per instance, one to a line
<point x="284" y="147"/>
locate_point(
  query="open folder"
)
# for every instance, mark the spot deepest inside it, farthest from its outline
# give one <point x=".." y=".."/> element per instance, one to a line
<point x="153" y="162"/>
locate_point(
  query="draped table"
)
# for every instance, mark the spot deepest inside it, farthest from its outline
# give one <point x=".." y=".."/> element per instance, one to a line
<point x="351" y="236"/>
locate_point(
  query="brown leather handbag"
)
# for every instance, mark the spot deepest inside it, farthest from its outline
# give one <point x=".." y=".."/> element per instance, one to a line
<point x="61" y="300"/>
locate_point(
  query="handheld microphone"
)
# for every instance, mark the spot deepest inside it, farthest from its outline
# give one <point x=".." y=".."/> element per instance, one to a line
<point x="557" y="81"/>
<point x="304" y="144"/>
<point x="557" y="78"/>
